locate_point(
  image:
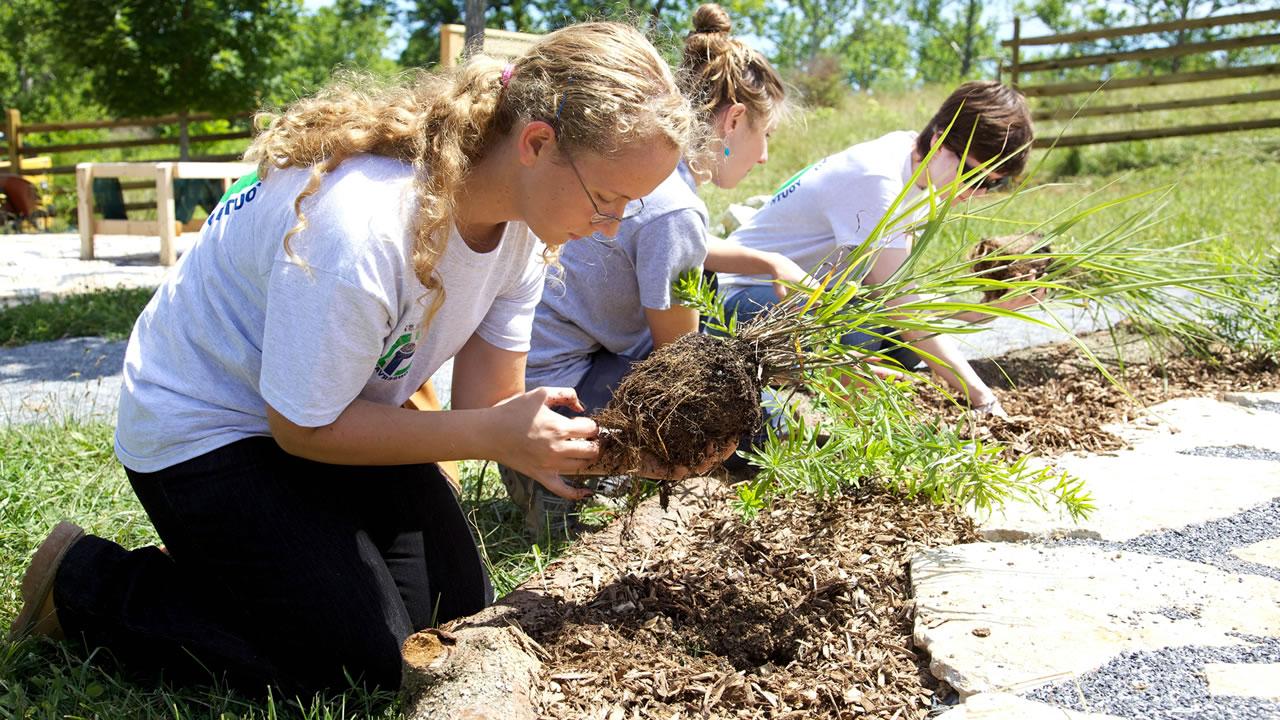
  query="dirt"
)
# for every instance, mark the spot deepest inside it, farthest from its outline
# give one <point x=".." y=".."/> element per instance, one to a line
<point x="804" y="612"/>
<point x="681" y="403"/>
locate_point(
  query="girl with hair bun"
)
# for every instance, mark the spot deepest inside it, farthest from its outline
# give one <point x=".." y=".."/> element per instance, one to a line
<point x="611" y="305"/>
<point x="307" y="528"/>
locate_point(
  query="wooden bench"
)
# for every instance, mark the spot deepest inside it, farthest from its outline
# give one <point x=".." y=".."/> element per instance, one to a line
<point x="165" y="225"/>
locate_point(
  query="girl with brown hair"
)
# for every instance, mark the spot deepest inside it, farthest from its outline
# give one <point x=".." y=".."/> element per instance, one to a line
<point x="307" y="529"/>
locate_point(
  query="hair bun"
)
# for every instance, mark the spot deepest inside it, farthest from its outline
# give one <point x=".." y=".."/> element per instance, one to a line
<point x="711" y="18"/>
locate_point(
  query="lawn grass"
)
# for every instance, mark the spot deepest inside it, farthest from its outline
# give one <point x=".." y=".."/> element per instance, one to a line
<point x="107" y="313"/>
<point x="1218" y="187"/>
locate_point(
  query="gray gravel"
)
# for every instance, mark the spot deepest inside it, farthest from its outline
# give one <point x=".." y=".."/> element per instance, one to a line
<point x="1209" y="542"/>
<point x="74" y="379"/>
<point x="79" y="379"/>
<point x="1166" y="684"/>
<point x="1235" y="452"/>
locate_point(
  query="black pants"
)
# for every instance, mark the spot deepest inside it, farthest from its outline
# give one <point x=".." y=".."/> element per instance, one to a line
<point x="281" y="571"/>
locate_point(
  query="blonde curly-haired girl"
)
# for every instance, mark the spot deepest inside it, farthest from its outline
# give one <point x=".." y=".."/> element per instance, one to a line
<point x="389" y="228"/>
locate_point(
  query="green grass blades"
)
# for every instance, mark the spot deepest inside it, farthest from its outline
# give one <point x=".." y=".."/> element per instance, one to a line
<point x="108" y="313"/>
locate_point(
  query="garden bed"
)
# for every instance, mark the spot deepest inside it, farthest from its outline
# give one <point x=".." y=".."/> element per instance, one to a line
<point x="804" y="611"/>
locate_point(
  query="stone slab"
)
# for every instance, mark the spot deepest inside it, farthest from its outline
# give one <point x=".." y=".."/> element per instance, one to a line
<point x="1266" y="553"/>
<point x="1006" y="706"/>
<point x="1259" y="680"/>
<point x="1003" y="617"/>
<point x="1155" y="485"/>
<point x="1187" y="423"/>
<point x="1136" y="493"/>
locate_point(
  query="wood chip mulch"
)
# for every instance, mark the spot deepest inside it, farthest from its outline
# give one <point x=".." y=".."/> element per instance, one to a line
<point x="1059" y="402"/>
<point x="804" y="612"/>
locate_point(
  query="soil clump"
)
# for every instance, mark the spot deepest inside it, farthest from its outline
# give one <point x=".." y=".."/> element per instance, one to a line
<point x="681" y="402"/>
<point x="1009" y="270"/>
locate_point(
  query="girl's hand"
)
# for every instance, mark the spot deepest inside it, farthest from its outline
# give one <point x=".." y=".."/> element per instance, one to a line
<point x="543" y="444"/>
<point x="785" y="269"/>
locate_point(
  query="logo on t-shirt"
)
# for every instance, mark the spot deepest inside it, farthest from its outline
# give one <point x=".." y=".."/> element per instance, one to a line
<point x="398" y="360"/>
<point x="785" y="189"/>
<point x="236" y="197"/>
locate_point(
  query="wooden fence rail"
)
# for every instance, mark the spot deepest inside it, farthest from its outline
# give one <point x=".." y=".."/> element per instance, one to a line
<point x="15" y="130"/>
<point x="1018" y="66"/>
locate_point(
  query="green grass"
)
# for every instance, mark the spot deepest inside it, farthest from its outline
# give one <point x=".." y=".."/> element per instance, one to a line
<point x="108" y="313"/>
<point x="52" y="472"/>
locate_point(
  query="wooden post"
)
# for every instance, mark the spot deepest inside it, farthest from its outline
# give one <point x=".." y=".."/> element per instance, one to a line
<point x="12" y="128"/>
<point x="84" y="208"/>
<point x="1013" y="66"/>
<point x="475" y="28"/>
<point x="184" y="137"/>
<point x="165" y="212"/>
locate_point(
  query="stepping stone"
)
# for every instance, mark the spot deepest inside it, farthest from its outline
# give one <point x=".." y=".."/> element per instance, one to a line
<point x="1266" y="553"/>
<point x="1003" y="617"/>
<point x="1258" y="400"/>
<point x="1220" y="461"/>
<point x="1186" y="423"/>
<point x="1259" y="680"/>
<point x="1136" y="493"/>
<point x="1006" y="706"/>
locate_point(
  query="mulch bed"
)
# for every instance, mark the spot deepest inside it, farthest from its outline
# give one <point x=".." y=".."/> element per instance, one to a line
<point x="806" y="611"/>
<point x="1059" y="402"/>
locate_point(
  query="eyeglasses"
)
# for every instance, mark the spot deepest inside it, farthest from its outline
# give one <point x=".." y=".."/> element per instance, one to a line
<point x="989" y="182"/>
<point x="994" y="183"/>
<point x="600" y="218"/>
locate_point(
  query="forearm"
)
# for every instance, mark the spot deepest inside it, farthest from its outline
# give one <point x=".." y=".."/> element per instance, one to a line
<point x="951" y="365"/>
<point x="728" y="257"/>
<point x="367" y="433"/>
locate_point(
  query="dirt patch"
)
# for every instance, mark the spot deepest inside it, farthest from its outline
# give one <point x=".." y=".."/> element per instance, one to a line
<point x="803" y="613"/>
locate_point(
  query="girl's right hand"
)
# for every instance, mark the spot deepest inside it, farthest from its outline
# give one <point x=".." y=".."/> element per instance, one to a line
<point x="786" y="269"/>
<point x="543" y="444"/>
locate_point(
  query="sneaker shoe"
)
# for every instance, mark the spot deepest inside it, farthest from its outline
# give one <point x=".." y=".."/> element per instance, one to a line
<point x="38" y="616"/>
<point x="546" y="515"/>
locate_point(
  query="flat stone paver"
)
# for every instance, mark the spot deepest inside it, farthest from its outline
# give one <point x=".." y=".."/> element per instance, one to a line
<point x="1266" y="552"/>
<point x="1170" y="611"/>
<point x="1193" y="460"/>
<point x="1260" y="680"/>
<point x="1003" y="616"/>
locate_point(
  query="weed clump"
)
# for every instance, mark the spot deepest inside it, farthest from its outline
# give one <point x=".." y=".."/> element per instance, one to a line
<point x="998" y="258"/>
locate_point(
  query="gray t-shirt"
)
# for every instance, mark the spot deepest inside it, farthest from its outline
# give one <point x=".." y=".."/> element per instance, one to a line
<point x="833" y="206"/>
<point x="607" y="283"/>
<point x="238" y="325"/>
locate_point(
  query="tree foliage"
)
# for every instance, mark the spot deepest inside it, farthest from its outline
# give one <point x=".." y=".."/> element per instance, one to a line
<point x="148" y="58"/>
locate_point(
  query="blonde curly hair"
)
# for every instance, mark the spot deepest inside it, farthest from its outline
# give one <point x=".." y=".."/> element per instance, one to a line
<point x="601" y="85"/>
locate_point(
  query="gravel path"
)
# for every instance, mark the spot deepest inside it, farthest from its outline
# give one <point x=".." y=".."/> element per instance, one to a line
<point x="1166" y="685"/>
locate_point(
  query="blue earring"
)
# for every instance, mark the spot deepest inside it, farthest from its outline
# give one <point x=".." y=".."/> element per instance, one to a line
<point x="726" y="152"/>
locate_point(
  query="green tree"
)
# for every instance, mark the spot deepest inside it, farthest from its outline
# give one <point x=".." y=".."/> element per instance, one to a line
<point x="150" y="57"/>
<point x="952" y="39"/>
<point x="868" y="37"/>
<point x="34" y="78"/>
<point x="348" y="34"/>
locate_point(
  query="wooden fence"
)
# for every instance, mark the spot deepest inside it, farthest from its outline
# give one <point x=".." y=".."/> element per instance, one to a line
<point x="1016" y="67"/>
<point x="19" y="148"/>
